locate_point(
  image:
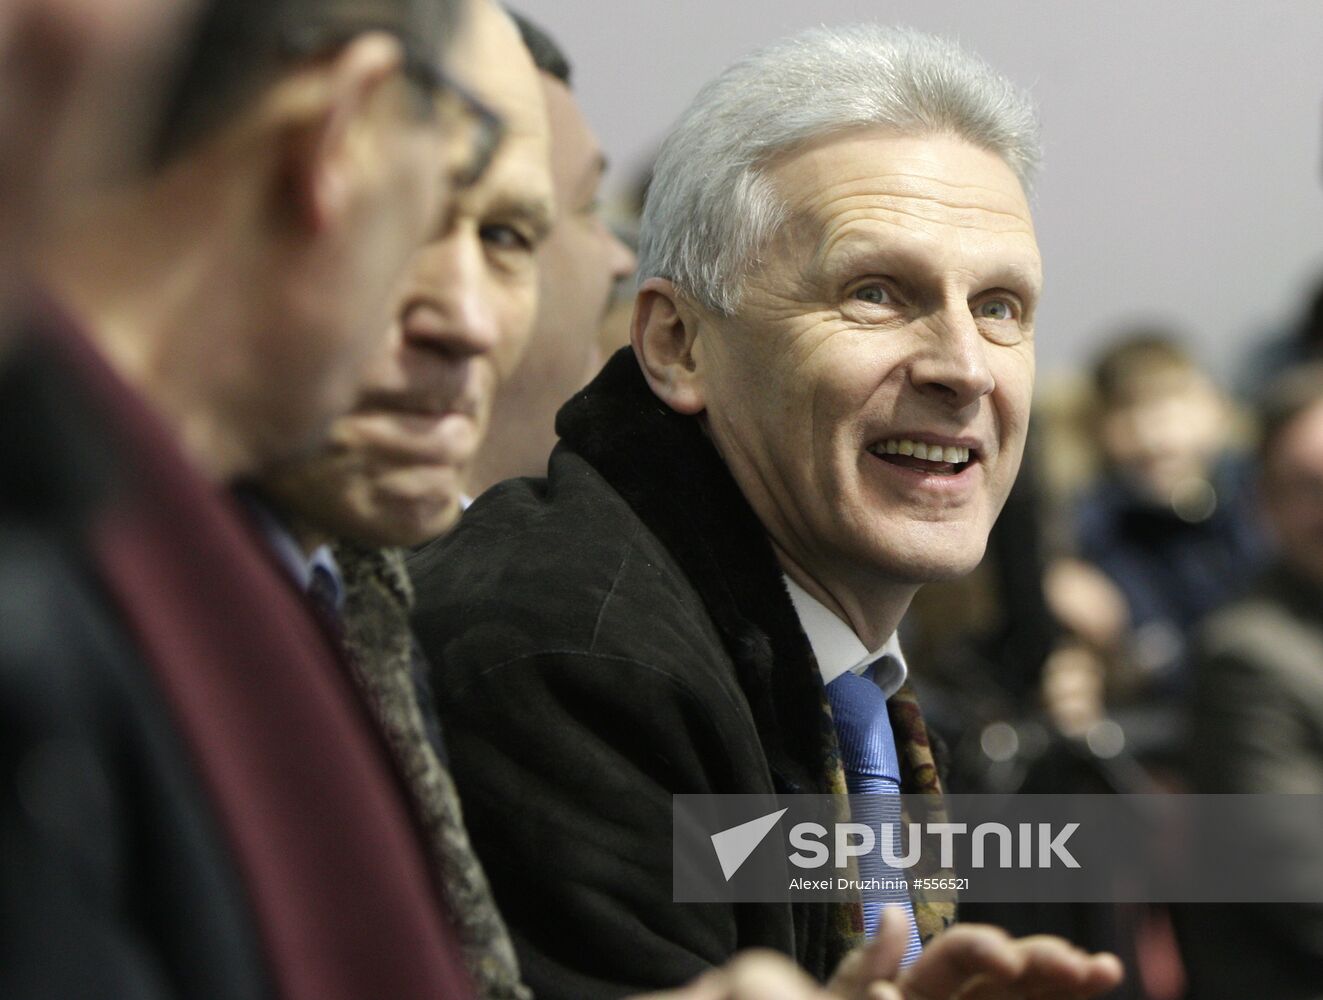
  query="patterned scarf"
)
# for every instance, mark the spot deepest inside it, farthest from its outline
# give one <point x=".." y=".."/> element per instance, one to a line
<point x="388" y="669"/>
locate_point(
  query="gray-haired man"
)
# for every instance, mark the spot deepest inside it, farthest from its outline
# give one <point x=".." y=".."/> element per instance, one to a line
<point x="825" y="406"/>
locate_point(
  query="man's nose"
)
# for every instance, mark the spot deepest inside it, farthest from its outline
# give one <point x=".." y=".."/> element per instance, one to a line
<point x="623" y="260"/>
<point x="469" y="325"/>
<point x="953" y="363"/>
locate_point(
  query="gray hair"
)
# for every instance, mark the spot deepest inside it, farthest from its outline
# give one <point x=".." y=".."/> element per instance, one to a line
<point x="710" y="206"/>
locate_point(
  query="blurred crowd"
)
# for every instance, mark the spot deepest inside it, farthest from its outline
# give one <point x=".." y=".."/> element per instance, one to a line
<point x="284" y="285"/>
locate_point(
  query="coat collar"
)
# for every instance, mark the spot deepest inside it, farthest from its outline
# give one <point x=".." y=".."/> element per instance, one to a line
<point x="663" y="465"/>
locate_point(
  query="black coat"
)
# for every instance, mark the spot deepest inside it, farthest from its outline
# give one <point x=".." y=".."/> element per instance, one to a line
<point x="603" y="639"/>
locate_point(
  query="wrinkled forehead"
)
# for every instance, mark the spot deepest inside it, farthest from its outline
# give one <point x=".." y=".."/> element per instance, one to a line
<point x="937" y="178"/>
<point x="865" y="195"/>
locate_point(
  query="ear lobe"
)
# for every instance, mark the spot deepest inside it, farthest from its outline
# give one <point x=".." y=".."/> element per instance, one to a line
<point x="664" y="335"/>
<point x="320" y="158"/>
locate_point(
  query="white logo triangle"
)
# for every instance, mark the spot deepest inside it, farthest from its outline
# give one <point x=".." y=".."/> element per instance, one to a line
<point x="734" y="846"/>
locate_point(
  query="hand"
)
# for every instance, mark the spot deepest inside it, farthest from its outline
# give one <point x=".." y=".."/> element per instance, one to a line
<point x="751" y="975"/>
<point x="972" y="962"/>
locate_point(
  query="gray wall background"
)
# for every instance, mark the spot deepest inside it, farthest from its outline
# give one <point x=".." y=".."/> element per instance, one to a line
<point x="1182" y="173"/>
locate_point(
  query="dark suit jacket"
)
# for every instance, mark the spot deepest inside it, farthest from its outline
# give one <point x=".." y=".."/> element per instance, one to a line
<point x="1258" y="728"/>
<point x="602" y="640"/>
<point x="115" y="878"/>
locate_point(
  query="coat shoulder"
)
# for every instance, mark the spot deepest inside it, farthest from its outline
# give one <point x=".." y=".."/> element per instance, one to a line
<point x="560" y="565"/>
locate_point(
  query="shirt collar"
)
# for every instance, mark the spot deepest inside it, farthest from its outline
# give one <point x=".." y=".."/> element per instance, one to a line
<point x="296" y="563"/>
<point x="837" y="649"/>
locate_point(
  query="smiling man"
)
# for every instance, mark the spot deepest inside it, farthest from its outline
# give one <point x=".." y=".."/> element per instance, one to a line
<point x="824" y="407"/>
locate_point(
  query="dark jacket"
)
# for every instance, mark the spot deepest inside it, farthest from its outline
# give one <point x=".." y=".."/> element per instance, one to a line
<point x="1257" y="728"/>
<point x="603" y="639"/>
<point x="1171" y="571"/>
<point x="115" y="878"/>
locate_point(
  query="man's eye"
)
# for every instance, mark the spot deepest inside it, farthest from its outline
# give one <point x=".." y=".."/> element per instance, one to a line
<point x="504" y="237"/>
<point x="997" y="309"/>
<point x="873" y="294"/>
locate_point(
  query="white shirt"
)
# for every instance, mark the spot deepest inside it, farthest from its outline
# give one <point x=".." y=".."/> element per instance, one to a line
<point x="837" y="649"/>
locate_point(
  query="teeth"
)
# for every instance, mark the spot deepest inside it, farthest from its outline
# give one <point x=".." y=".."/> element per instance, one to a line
<point x="927" y="452"/>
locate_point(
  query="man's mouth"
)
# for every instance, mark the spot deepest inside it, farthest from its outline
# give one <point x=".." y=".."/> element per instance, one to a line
<point x="933" y="459"/>
<point x="418" y="404"/>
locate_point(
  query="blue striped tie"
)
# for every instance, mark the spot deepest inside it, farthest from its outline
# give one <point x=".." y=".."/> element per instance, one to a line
<point x="872" y="773"/>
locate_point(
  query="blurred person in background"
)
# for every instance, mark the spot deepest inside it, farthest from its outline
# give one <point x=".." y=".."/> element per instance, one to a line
<point x="1301" y="342"/>
<point x="579" y="265"/>
<point x="1170" y="523"/>
<point x="1257" y="714"/>
<point x="193" y="803"/>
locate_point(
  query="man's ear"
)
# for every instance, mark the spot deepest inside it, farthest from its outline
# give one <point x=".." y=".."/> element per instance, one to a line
<point x="321" y="154"/>
<point x="664" y="335"/>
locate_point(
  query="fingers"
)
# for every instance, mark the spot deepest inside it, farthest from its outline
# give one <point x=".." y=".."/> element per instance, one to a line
<point x="969" y="962"/>
<point x="963" y="955"/>
<point x="1054" y="969"/>
<point x="983" y="963"/>
<point x="874" y="963"/>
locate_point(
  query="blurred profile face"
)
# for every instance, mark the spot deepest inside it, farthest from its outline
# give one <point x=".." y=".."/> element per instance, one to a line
<point x="66" y="67"/>
<point x="1166" y="432"/>
<point x="1293" y="493"/>
<point x="395" y="466"/>
<point x="396" y="176"/>
<point x="871" y="395"/>
<point x="578" y="267"/>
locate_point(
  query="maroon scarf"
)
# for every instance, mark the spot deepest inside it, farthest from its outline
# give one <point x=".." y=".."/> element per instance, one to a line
<point x="297" y="777"/>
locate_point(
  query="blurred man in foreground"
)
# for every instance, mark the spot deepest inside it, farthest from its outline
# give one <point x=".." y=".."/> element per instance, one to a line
<point x="65" y="66"/>
<point x="840" y="424"/>
<point x="194" y="803"/>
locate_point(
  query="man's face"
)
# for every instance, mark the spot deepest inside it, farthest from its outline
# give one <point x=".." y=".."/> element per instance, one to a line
<point x="872" y="394"/>
<point x="578" y="266"/>
<point x="1293" y="493"/>
<point x="395" y="466"/>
